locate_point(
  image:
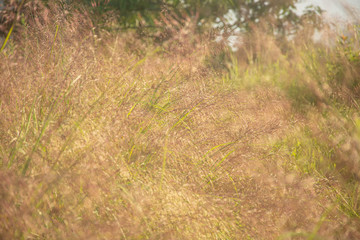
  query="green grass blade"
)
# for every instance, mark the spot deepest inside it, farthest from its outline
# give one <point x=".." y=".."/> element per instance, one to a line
<point x="7" y="37"/>
<point x="181" y="120"/>
<point x="163" y="163"/>
<point x="12" y="26"/>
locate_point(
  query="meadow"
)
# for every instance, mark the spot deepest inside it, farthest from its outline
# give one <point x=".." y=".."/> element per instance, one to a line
<point x="104" y="135"/>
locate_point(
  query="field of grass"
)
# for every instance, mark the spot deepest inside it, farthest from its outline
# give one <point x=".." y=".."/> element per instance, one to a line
<point x="106" y="136"/>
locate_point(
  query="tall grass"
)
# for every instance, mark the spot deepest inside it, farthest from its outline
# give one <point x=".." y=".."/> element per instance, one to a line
<point x="103" y="136"/>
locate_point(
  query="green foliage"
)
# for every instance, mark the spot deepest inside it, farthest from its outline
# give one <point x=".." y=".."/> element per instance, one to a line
<point x="309" y="155"/>
<point x="344" y="69"/>
<point x="246" y="14"/>
<point x="282" y="15"/>
<point x="335" y="72"/>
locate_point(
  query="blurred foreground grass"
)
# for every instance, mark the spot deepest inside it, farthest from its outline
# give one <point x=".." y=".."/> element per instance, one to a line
<point x="107" y="137"/>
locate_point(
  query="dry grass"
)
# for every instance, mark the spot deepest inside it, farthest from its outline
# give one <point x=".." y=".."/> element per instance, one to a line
<point x="103" y="137"/>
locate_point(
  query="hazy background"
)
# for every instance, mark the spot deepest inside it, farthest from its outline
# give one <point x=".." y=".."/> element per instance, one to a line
<point x="333" y="8"/>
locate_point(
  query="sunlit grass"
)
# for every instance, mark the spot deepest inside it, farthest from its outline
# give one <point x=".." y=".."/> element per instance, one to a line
<point x="100" y="141"/>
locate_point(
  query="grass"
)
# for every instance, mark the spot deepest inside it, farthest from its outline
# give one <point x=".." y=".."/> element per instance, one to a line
<point x="105" y="137"/>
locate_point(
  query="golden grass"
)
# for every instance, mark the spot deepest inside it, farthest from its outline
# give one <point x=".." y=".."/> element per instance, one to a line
<point x="99" y="140"/>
